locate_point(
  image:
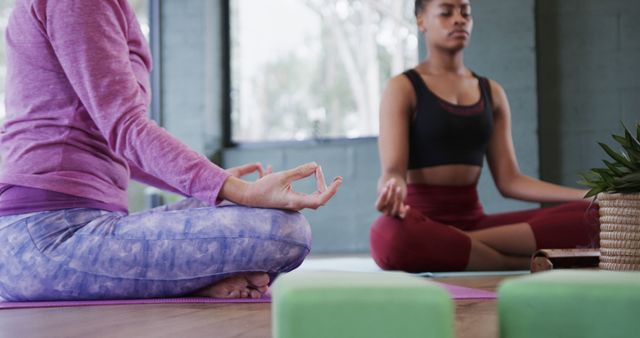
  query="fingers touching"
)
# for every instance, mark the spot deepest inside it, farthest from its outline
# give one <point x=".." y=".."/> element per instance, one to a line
<point x="391" y="200"/>
<point x="268" y="171"/>
<point x="328" y="192"/>
<point x="301" y="172"/>
<point x="323" y="192"/>
<point x="321" y="185"/>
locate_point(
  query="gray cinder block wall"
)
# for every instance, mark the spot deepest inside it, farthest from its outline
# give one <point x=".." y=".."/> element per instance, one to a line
<point x="567" y="66"/>
<point x="588" y="80"/>
<point x="191" y="69"/>
<point x="503" y="48"/>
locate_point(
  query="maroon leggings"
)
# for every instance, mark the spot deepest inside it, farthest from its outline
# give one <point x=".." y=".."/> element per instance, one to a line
<point x="425" y="240"/>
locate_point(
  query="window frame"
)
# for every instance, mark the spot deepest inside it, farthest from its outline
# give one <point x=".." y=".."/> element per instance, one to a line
<point x="155" y="44"/>
<point x="227" y="108"/>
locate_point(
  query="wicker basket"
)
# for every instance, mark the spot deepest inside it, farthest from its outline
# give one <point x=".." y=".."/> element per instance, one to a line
<point x="619" y="231"/>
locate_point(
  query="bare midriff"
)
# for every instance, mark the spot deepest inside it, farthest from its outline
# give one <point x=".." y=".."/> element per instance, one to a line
<point x="445" y="175"/>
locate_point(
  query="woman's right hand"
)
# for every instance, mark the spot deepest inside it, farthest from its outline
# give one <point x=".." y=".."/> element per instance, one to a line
<point x="276" y="191"/>
<point x="391" y="197"/>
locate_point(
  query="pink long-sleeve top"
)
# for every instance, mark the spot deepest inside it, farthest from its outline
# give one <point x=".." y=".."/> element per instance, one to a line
<point x="77" y="93"/>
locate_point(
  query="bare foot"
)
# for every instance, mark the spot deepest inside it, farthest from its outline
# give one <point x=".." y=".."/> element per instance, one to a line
<point x="246" y="285"/>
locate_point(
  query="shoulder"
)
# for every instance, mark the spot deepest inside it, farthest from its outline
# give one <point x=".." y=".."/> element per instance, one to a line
<point x="498" y="95"/>
<point x="400" y="86"/>
<point x="63" y="20"/>
<point x="496" y="88"/>
<point x="398" y="98"/>
<point x="71" y="5"/>
<point x="400" y="90"/>
<point x="400" y="81"/>
<point x="71" y="9"/>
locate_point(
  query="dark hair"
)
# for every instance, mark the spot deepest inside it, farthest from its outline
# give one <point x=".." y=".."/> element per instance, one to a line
<point x="420" y="5"/>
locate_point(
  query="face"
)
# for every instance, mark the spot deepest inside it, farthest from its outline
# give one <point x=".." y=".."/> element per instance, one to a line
<point x="447" y="24"/>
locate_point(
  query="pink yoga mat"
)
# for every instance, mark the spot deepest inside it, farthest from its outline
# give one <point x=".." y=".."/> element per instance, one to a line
<point x="461" y="292"/>
<point x="457" y="293"/>
<point x="183" y="300"/>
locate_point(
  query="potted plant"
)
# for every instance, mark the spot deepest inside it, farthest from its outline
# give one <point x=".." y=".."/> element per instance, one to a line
<point x="617" y="189"/>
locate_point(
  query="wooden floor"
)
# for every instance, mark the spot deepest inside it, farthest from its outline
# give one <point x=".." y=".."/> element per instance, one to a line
<point x="474" y="318"/>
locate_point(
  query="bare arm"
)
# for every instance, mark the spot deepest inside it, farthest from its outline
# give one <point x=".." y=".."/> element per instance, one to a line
<point x="398" y="102"/>
<point x="504" y="165"/>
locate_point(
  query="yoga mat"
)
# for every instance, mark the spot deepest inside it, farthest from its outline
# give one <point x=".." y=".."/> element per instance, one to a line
<point x="473" y="274"/>
<point x="183" y="300"/>
<point x="457" y="293"/>
<point x="464" y="293"/>
<point x="366" y="264"/>
<point x="346" y="264"/>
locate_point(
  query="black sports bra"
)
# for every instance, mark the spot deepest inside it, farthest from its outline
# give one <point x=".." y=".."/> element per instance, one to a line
<point x="443" y="133"/>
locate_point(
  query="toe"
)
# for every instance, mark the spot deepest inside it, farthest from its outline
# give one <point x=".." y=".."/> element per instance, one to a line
<point x="255" y="294"/>
<point x="258" y="279"/>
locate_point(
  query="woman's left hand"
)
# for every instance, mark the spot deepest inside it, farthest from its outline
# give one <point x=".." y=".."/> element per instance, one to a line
<point x="250" y="168"/>
<point x="391" y="198"/>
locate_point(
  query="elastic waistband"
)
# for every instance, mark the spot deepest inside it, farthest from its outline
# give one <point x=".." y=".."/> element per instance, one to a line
<point x="442" y="189"/>
<point x="15" y="200"/>
<point x="454" y="205"/>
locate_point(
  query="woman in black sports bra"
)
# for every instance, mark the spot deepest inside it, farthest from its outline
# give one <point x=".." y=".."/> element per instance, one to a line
<point x="438" y="121"/>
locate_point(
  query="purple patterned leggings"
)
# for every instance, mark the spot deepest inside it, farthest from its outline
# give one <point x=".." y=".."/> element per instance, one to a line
<point x="168" y="251"/>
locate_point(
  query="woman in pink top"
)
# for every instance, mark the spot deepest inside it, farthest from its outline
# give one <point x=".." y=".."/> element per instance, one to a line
<point x="77" y="130"/>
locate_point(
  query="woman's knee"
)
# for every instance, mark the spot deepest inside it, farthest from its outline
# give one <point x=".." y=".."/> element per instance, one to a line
<point x="384" y="231"/>
<point x="292" y="233"/>
<point x="417" y="244"/>
<point x="388" y="242"/>
<point x="292" y="227"/>
<point x="266" y="224"/>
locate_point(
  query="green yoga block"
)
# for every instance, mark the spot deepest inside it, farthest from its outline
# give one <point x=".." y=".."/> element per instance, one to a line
<point x="571" y="303"/>
<point x="360" y="305"/>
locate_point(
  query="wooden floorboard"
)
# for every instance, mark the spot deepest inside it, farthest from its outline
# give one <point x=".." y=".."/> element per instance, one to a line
<point x="163" y="320"/>
<point x="474" y="318"/>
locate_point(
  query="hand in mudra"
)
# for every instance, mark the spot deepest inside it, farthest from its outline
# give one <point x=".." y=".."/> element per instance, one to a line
<point x="274" y="190"/>
<point x="391" y="199"/>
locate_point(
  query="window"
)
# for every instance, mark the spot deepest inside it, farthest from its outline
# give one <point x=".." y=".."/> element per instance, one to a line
<point x="315" y="68"/>
<point x="141" y="8"/>
<point x="5" y="11"/>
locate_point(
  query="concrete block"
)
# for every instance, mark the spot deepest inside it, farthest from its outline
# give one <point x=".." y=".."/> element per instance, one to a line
<point x="360" y="305"/>
<point x="570" y="303"/>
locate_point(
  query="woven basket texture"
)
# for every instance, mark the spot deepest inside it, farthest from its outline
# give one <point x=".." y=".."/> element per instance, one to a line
<point x="619" y="231"/>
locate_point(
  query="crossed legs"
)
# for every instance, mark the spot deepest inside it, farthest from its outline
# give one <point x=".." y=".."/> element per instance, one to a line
<point x="500" y="242"/>
<point x="183" y="249"/>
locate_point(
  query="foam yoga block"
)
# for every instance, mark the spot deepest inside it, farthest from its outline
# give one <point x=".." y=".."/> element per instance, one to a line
<point x="358" y="305"/>
<point x="571" y="303"/>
